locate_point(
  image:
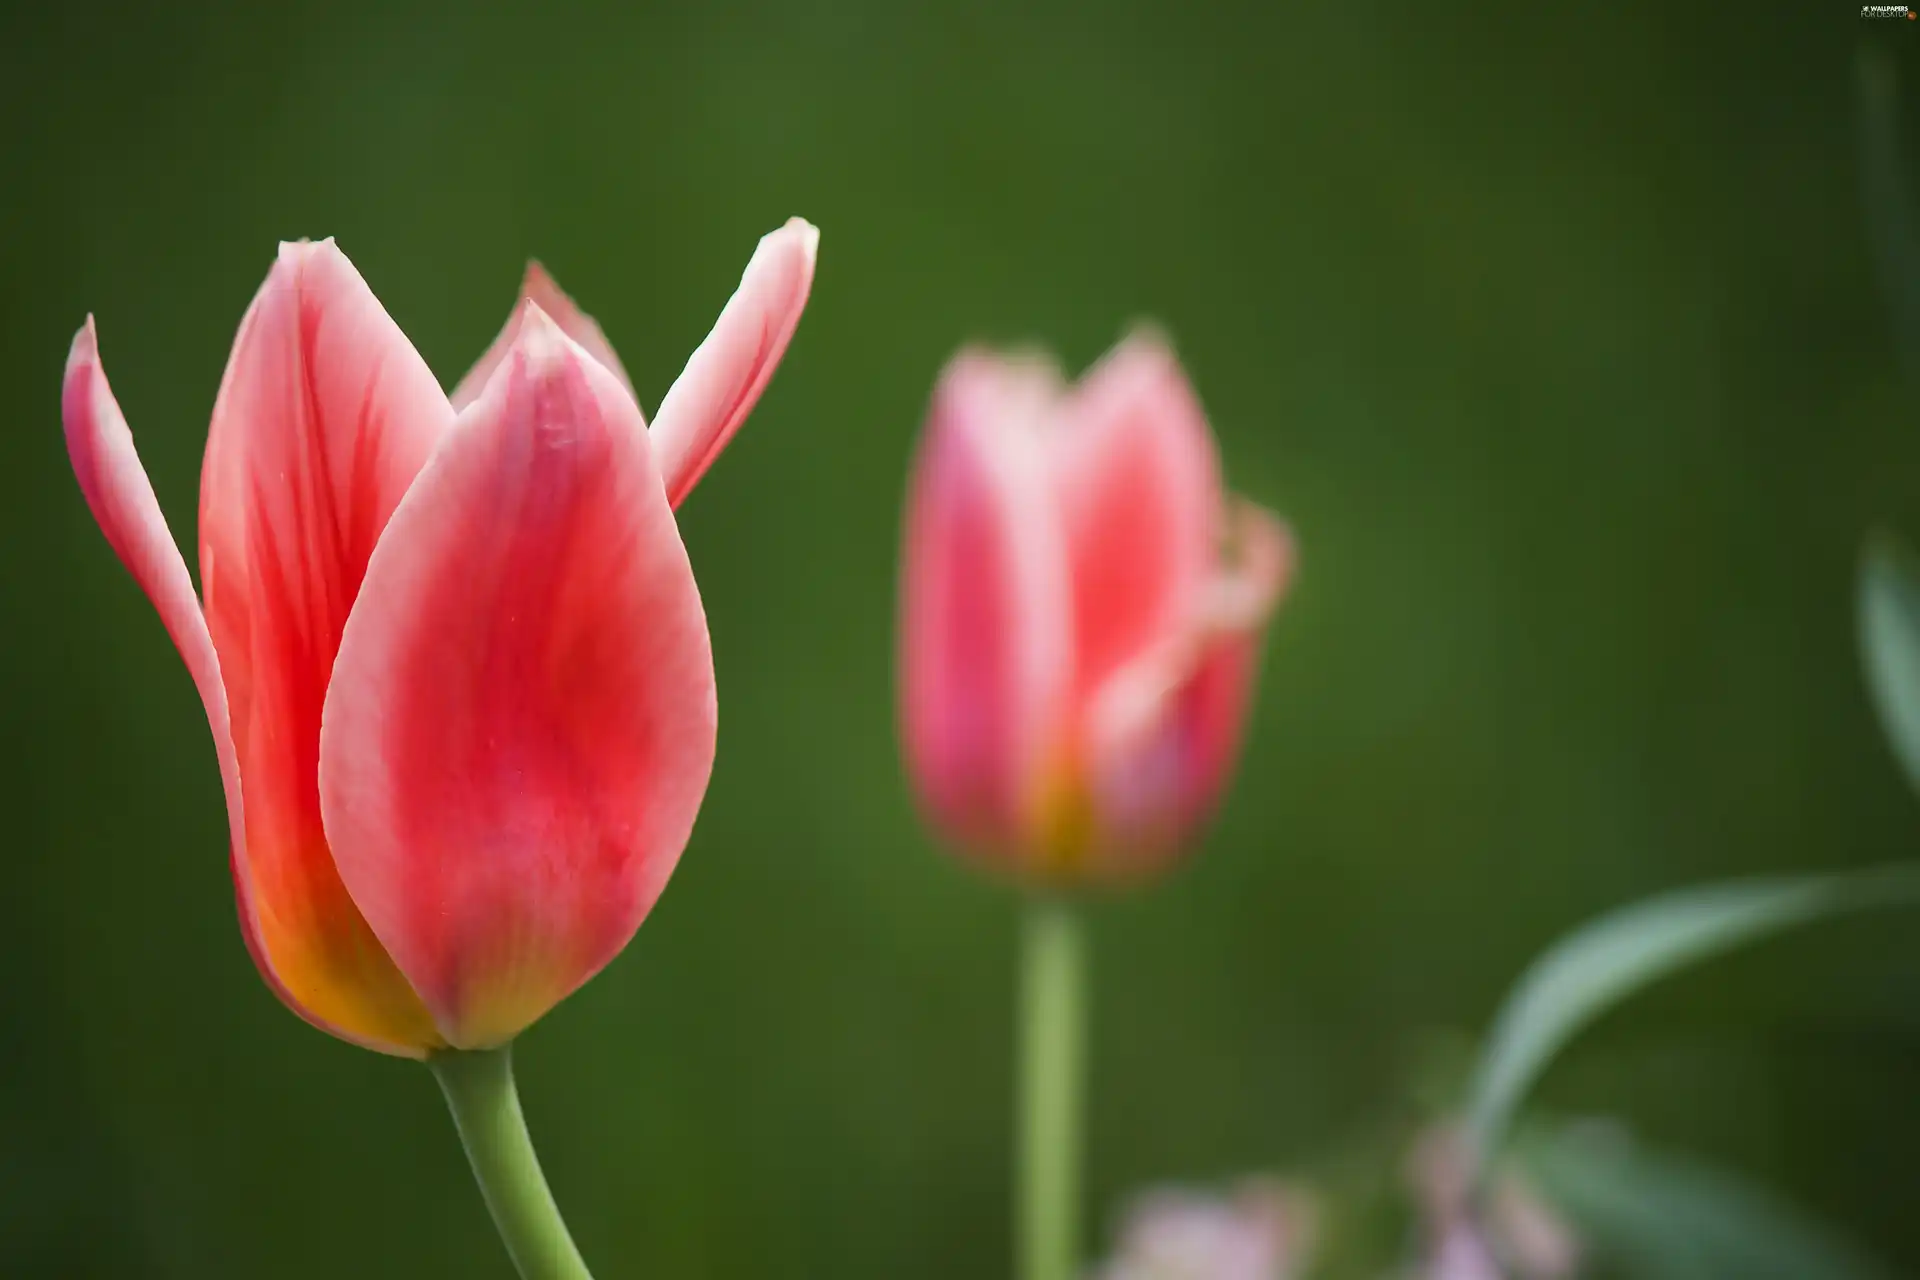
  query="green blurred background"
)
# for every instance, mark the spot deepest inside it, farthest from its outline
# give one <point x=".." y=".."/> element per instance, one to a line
<point x="1553" y="328"/>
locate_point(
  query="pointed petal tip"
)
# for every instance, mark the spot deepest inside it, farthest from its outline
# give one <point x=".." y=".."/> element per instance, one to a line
<point x="1149" y="333"/>
<point x="970" y="360"/>
<point x="1000" y="390"/>
<point x="1265" y="555"/>
<point x="307" y="247"/>
<point x="804" y="232"/>
<point x="86" y="344"/>
<point x="1029" y="360"/>
<point x="536" y="280"/>
<point x="1146" y="349"/>
<point x="296" y="256"/>
<point x="538" y="285"/>
<point x="793" y="246"/>
<point x="541" y="339"/>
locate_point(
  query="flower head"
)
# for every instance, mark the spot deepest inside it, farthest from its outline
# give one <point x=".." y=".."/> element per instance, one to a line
<point x="451" y="650"/>
<point x="1082" y="608"/>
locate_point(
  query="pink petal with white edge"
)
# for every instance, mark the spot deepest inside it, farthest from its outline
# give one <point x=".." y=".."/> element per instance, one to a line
<point x="726" y="374"/>
<point x="521" y="723"/>
<point x="1165" y="731"/>
<point x="325" y="415"/>
<point x="1139" y="480"/>
<point x="985" y="636"/>
<point x="539" y="288"/>
<point x="122" y="500"/>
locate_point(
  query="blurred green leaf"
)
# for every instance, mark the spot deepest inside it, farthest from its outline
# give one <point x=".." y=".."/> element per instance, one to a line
<point x="1660" y="1216"/>
<point x="1890" y="643"/>
<point x="1601" y="963"/>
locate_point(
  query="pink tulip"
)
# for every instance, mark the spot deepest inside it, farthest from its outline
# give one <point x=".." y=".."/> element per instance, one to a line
<point x="451" y="651"/>
<point x="1082" y="609"/>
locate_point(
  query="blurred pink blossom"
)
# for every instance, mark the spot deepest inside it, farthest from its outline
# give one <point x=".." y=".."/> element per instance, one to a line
<point x="1263" y="1230"/>
<point x="1516" y="1224"/>
<point x="1081" y="613"/>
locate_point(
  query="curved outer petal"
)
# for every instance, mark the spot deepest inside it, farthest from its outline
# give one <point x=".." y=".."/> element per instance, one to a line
<point x="985" y="634"/>
<point x="1140" y="485"/>
<point x="121" y="498"/>
<point x="521" y="723"/>
<point x="540" y="289"/>
<point x="726" y="373"/>
<point x="325" y="415"/>
<point x="1165" y="731"/>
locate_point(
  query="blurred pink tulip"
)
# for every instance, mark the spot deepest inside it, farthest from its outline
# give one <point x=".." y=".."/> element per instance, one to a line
<point x="451" y="651"/>
<point x="1082" y="609"/>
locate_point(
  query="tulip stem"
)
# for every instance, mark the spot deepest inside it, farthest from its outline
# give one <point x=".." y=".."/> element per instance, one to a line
<point x="1052" y="1072"/>
<point x="486" y="1110"/>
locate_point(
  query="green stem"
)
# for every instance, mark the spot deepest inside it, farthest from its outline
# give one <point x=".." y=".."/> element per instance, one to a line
<point x="486" y="1110"/>
<point x="1052" y="1070"/>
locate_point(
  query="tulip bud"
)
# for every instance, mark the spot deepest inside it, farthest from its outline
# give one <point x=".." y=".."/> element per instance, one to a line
<point x="1081" y="614"/>
<point x="452" y="654"/>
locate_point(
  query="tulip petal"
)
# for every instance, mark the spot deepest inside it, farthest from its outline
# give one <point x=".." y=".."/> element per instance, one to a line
<point x="539" y="288"/>
<point x="324" y="416"/>
<point x="521" y="722"/>
<point x="727" y="372"/>
<point x="1165" y="730"/>
<point x="121" y="497"/>
<point x="122" y="500"/>
<point x="985" y="640"/>
<point x="1140" y="483"/>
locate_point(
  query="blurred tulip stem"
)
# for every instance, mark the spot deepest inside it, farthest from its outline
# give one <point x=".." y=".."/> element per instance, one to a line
<point x="486" y="1110"/>
<point x="1052" y="1071"/>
